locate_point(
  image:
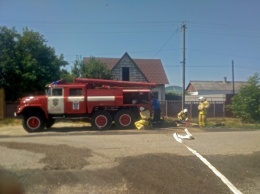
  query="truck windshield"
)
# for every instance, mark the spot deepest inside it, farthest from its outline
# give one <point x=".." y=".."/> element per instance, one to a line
<point x="53" y="92"/>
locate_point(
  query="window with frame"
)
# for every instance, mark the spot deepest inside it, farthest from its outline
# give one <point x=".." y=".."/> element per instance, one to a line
<point x="75" y="92"/>
<point x="125" y="73"/>
<point x="56" y="91"/>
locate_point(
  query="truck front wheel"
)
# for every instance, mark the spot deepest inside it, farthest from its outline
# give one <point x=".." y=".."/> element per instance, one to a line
<point x="101" y="120"/>
<point x="33" y="123"/>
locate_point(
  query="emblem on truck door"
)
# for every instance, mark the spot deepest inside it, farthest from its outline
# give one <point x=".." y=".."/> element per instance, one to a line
<point x="55" y="105"/>
<point x="55" y="102"/>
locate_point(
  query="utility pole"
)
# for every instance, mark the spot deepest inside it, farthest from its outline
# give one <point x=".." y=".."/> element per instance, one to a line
<point x="233" y="79"/>
<point x="183" y="65"/>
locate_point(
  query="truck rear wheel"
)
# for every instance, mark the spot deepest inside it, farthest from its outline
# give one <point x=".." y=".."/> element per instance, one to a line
<point x="124" y="119"/>
<point x="33" y="123"/>
<point x="101" y="120"/>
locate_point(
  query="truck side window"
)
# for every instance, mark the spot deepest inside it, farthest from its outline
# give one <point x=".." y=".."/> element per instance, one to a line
<point x="56" y="91"/>
<point x="75" y="92"/>
<point x="48" y="92"/>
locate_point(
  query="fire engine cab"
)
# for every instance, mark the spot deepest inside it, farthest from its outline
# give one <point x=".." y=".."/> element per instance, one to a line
<point x="101" y="101"/>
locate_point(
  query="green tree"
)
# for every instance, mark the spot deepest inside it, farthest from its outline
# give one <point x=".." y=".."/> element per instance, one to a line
<point x="172" y="96"/>
<point x="93" y="68"/>
<point x="246" y="103"/>
<point x="77" y="67"/>
<point x="65" y="75"/>
<point x="9" y="72"/>
<point x="27" y="63"/>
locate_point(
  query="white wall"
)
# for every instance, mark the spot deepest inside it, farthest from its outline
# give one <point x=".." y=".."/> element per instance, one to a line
<point x="209" y="97"/>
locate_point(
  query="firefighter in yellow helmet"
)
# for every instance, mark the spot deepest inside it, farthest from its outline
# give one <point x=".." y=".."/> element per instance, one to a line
<point x="203" y="106"/>
<point x="183" y="115"/>
<point x="145" y="118"/>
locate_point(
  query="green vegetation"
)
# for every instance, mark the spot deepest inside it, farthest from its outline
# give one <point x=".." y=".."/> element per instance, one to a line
<point x="172" y="96"/>
<point x="173" y="93"/>
<point x="221" y="123"/>
<point x="216" y="123"/>
<point x="231" y="123"/>
<point x="10" y="122"/>
<point x="27" y="64"/>
<point x="246" y="103"/>
<point x="177" y="90"/>
<point x="93" y="68"/>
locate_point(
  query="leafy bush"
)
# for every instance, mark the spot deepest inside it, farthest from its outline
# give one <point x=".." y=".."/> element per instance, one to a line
<point x="246" y="103"/>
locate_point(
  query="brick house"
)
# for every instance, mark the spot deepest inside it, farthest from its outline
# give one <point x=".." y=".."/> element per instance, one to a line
<point x="139" y="70"/>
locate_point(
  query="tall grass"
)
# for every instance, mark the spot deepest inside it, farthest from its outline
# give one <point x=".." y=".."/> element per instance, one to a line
<point x="170" y="121"/>
<point x="10" y="122"/>
<point x="219" y="123"/>
<point x="231" y="123"/>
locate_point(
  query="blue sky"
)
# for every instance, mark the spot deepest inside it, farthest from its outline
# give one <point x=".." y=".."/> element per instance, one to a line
<point x="218" y="31"/>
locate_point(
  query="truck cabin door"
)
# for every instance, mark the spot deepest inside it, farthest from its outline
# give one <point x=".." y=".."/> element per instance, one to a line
<point x="56" y="101"/>
<point x="75" y="103"/>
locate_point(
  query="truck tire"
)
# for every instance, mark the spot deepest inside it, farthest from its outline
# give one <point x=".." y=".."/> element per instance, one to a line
<point x="49" y="123"/>
<point x="101" y="120"/>
<point x="33" y="123"/>
<point x="124" y="119"/>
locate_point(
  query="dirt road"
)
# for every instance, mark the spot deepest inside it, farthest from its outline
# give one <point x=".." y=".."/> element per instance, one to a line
<point x="76" y="159"/>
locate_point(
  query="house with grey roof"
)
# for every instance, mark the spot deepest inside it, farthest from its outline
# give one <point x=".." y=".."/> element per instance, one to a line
<point x="139" y="70"/>
<point x="212" y="89"/>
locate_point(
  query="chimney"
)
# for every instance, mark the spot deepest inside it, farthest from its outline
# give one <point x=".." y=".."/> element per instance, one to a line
<point x="225" y="80"/>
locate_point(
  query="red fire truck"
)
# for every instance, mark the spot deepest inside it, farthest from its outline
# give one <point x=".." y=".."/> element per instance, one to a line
<point x="101" y="101"/>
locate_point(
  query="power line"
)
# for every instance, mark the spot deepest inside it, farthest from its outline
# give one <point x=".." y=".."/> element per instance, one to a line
<point x="224" y="26"/>
<point x="222" y="34"/>
<point x="219" y="53"/>
<point x="104" y="32"/>
<point x="92" y="22"/>
<point x="196" y="66"/>
<point x="120" y="53"/>
<point x="213" y="66"/>
<point x="166" y="41"/>
<point x="169" y="22"/>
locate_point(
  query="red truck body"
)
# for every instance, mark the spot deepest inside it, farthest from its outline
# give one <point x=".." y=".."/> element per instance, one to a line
<point x="101" y="101"/>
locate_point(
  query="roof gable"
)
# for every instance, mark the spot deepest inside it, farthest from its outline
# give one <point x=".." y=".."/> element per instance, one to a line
<point x="152" y="69"/>
<point x="126" y="55"/>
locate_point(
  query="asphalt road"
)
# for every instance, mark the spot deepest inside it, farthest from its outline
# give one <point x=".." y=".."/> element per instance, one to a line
<point x="76" y="159"/>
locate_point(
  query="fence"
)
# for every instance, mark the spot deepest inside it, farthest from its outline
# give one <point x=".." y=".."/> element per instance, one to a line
<point x="169" y="108"/>
<point x="2" y="103"/>
<point x="10" y="108"/>
<point x="172" y="107"/>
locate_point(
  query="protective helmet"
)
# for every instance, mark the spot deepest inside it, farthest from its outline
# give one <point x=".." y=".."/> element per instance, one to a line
<point x="185" y="110"/>
<point x="141" y="108"/>
<point x="201" y="98"/>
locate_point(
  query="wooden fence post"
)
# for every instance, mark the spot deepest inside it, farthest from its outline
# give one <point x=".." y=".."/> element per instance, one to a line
<point x="166" y="108"/>
<point x="2" y="103"/>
